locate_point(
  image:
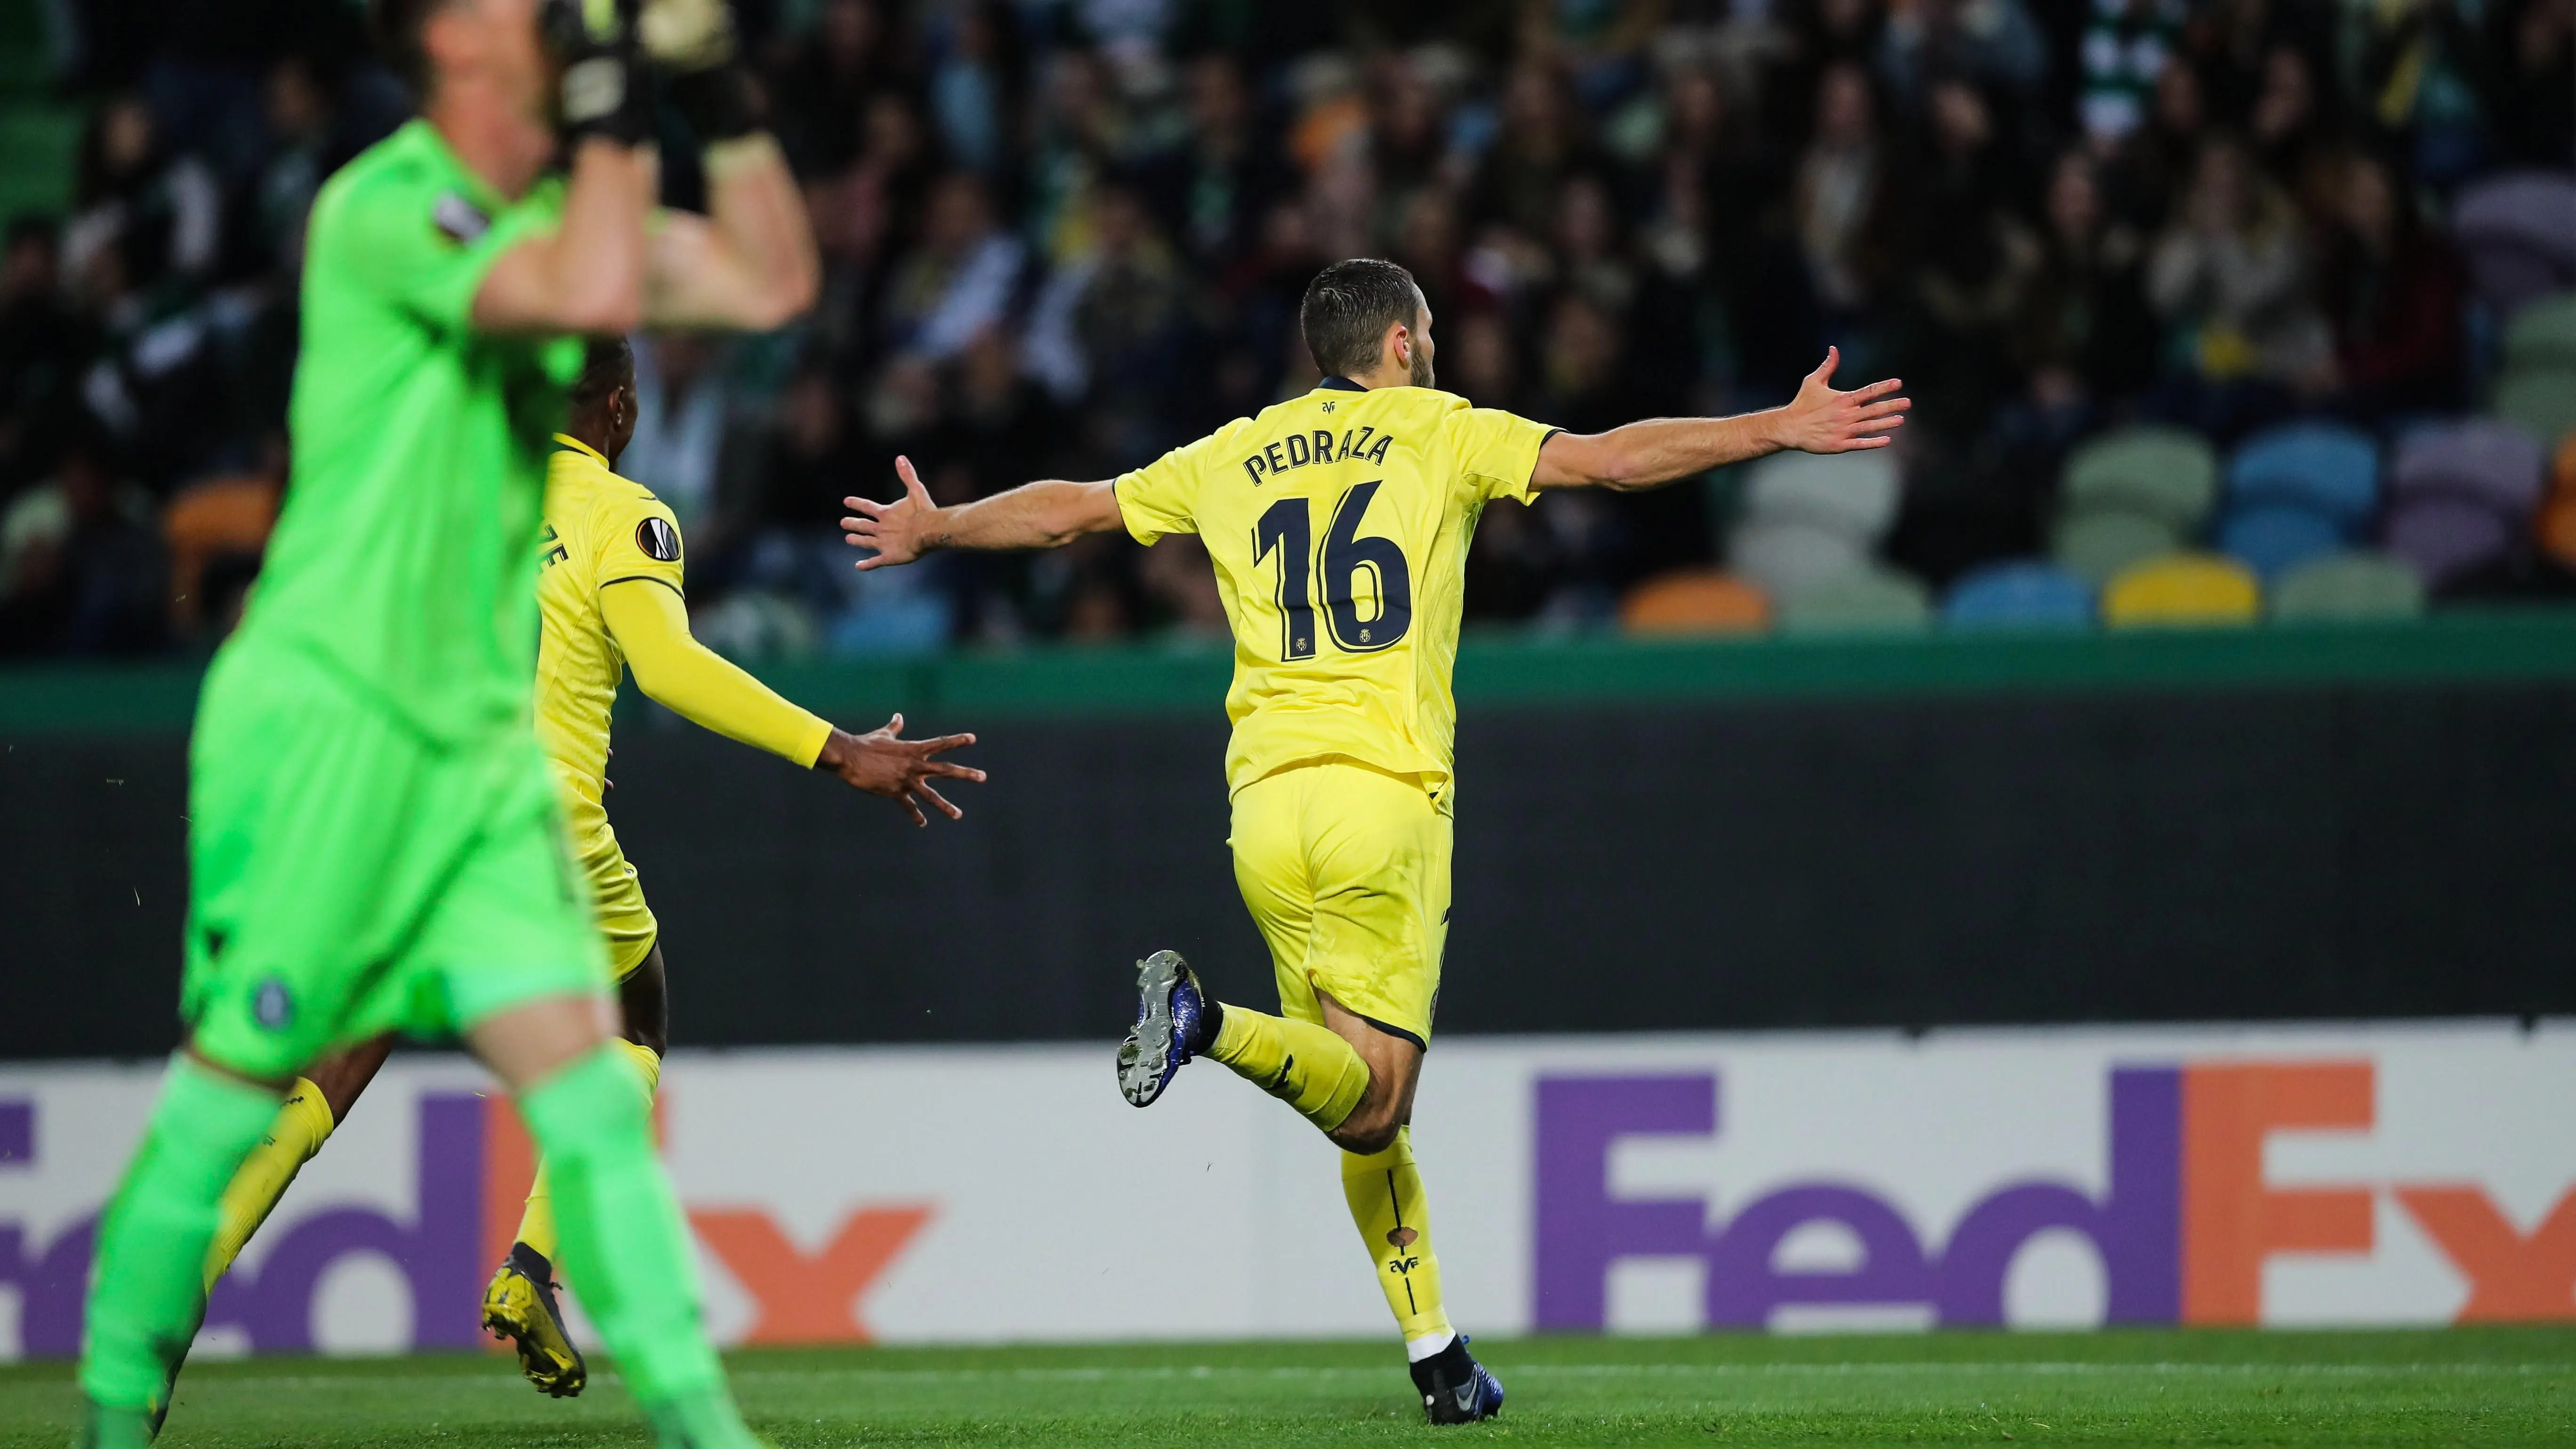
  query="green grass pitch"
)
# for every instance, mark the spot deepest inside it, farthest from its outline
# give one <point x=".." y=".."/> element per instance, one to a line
<point x="2485" y="1387"/>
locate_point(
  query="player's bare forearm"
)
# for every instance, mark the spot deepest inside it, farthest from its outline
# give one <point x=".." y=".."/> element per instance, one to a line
<point x="1657" y="451"/>
<point x="1049" y="514"/>
<point x="750" y="262"/>
<point x="1046" y="514"/>
<point x="761" y="214"/>
<point x="588" y="275"/>
<point x="1648" y="454"/>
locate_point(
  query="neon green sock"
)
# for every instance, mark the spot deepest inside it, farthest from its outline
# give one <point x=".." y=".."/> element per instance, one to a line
<point x="537" y="1218"/>
<point x="706" y="1420"/>
<point x="147" y="1286"/>
<point x="625" y="1248"/>
<point x="1300" y="1063"/>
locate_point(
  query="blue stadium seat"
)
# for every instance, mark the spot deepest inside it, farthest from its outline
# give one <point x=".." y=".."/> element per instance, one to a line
<point x="2021" y="594"/>
<point x="2271" y="538"/>
<point x="2326" y="468"/>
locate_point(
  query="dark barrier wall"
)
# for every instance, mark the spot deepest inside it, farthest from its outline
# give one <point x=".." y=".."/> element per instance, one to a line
<point x="1745" y="836"/>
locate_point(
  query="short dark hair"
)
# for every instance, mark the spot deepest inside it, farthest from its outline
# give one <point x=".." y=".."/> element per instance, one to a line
<point x="397" y="25"/>
<point x="1348" y="308"/>
<point x="607" y="364"/>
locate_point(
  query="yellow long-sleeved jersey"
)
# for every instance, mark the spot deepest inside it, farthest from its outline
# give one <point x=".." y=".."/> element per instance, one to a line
<point x="609" y="596"/>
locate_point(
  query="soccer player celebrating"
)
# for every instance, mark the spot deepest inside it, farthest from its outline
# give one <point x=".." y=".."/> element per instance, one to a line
<point x="374" y="839"/>
<point x="608" y="600"/>
<point x="1338" y="523"/>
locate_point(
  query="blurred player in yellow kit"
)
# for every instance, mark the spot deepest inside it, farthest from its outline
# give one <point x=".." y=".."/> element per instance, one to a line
<point x="609" y="594"/>
<point x="1338" y="523"/>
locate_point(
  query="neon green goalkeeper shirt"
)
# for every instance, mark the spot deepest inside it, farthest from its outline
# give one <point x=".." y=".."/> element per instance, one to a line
<point x="405" y="557"/>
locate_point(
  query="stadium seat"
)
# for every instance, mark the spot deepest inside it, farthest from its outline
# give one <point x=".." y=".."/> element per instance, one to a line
<point x="1852" y="494"/>
<point x="2348" y="587"/>
<point x="2542" y="336"/>
<point x="1781" y="555"/>
<point x="2094" y="546"/>
<point x="1870" y="599"/>
<point x="2556" y="528"/>
<point x="2484" y="460"/>
<point x="2443" y="536"/>
<point x="2541" y="399"/>
<point x="2166" y="474"/>
<point x="2518" y="231"/>
<point x="2183" y="590"/>
<point x="2325" y="468"/>
<point x="1695" y="601"/>
<point x="2273" y="537"/>
<point x="2021" y="594"/>
<point x="2557" y="523"/>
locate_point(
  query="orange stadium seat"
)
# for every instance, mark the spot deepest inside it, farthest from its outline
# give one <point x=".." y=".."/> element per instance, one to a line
<point x="1695" y="601"/>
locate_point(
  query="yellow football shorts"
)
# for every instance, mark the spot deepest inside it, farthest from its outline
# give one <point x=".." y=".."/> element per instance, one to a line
<point x="1346" y="872"/>
<point x="617" y="898"/>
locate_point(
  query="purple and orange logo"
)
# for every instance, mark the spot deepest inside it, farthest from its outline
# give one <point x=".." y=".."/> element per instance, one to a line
<point x="2182" y="1230"/>
<point x="474" y="1164"/>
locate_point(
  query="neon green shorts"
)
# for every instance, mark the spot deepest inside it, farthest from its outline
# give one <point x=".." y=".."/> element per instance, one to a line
<point x="349" y="877"/>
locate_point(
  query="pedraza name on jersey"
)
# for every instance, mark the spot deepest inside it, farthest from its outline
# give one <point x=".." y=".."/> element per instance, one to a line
<point x="1320" y="446"/>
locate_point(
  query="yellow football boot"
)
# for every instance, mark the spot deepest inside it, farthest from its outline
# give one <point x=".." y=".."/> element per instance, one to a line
<point x="520" y="1307"/>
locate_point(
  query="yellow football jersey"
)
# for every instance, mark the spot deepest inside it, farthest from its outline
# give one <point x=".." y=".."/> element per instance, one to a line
<point x="1339" y="524"/>
<point x="600" y="529"/>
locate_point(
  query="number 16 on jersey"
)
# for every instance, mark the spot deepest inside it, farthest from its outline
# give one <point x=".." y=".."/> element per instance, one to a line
<point x="1288" y="529"/>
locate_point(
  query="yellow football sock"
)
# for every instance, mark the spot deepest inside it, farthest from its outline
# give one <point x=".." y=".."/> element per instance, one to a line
<point x="537" y="1219"/>
<point x="303" y="1123"/>
<point x="1300" y="1063"/>
<point x="1385" y="1194"/>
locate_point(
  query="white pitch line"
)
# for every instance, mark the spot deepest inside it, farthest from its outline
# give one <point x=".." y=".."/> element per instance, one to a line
<point x="1542" y="1371"/>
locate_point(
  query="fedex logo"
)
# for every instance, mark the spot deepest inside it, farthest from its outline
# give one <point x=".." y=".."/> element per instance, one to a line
<point x="2182" y="1229"/>
<point x="473" y="1166"/>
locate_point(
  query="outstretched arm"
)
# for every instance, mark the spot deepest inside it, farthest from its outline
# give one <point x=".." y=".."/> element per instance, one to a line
<point x="1642" y="455"/>
<point x="1034" y="515"/>
<point x="651" y="627"/>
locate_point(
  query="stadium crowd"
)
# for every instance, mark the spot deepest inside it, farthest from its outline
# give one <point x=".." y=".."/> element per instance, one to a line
<point x="1064" y="235"/>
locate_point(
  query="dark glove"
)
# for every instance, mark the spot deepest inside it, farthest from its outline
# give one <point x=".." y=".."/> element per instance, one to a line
<point x="602" y="92"/>
<point x="692" y="47"/>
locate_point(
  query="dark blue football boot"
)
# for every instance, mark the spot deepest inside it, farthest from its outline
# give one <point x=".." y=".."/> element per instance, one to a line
<point x="1174" y="1023"/>
<point x="1455" y="1388"/>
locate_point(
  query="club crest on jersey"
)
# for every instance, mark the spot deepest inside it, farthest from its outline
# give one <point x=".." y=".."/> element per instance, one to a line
<point x="659" y="540"/>
<point x="459" y="219"/>
<point x="272" y="1005"/>
<point x="1298" y="449"/>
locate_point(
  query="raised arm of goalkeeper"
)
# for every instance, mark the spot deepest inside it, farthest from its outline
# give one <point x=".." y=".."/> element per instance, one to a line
<point x="618" y="262"/>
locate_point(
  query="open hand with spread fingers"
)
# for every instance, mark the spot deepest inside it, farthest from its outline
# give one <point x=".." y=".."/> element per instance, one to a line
<point x="899" y="531"/>
<point x="882" y="762"/>
<point x="1822" y="419"/>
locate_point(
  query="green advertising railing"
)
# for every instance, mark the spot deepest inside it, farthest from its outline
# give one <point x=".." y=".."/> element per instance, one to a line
<point x="2501" y="647"/>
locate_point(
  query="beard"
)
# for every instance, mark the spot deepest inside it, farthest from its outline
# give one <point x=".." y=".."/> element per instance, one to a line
<point x="1421" y="367"/>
